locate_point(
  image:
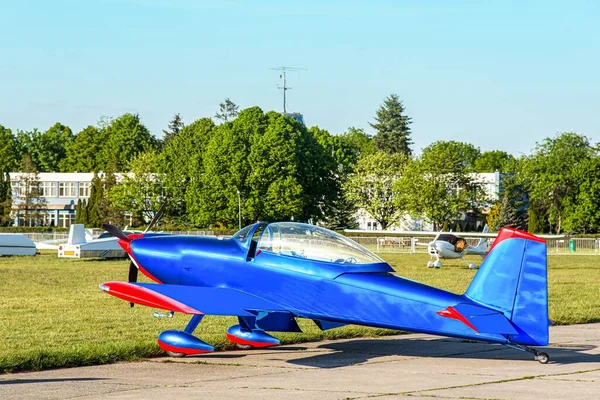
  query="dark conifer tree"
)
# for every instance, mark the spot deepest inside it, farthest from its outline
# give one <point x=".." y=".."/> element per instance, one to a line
<point x="392" y="125"/>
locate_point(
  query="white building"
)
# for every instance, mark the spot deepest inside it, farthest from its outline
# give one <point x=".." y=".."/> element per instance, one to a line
<point x="61" y="191"/>
<point x="491" y="186"/>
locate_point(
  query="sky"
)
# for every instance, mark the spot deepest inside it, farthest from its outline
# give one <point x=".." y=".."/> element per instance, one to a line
<point x="501" y="75"/>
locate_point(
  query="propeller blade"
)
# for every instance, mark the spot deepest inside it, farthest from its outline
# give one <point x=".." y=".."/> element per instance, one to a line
<point x="133" y="274"/>
<point x="157" y="216"/>
<point x="115" y="231"/>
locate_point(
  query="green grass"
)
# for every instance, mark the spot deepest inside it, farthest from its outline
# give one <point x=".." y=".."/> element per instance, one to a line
<point x="52" y="313"/>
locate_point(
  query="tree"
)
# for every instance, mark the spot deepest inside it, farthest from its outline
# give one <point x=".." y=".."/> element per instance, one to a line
<point x="491" y="161"/>
<point x="535" y="221"/>
<point x="554" y="177"/>
<point x="491" y="219"/>
<point x="28" y="200"/>
<point x="175" y="127"/>
<point x="8" y="150"/>
<point x="450" y="156"/>
<point x="584" y="214"/>
<point x="181" y="162"/>
<point x="8" y="163"/>
<point x="360" y="143"/>
<point x="276" y="190"/>
<point x="140" y="191"/>
<point x="81" y="216"/>
<point x="84" y="152"/>
<point x="5" y="199"/>
<point x="507" y="215"/>
<point x="438" y="185"/>
<point x="372" y="186"/>
<point x="228" y="110"/>
<point x="392" y="126"/>
<point x="126" y="137"/>
<point x="226" y="168"/>
<point x="92" y="208"/>
<point x="48" y="149"/>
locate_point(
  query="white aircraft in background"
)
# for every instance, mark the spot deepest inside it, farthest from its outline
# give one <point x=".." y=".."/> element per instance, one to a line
<point x="450" y="246"/>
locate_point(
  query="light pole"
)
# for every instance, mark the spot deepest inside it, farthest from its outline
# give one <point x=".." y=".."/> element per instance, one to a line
<point x="239" y="208"/>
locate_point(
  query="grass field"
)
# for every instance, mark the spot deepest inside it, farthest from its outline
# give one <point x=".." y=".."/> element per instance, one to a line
<point x="52" y="313"/>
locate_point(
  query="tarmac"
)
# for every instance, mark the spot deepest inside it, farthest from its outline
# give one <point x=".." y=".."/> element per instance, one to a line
<point x="405" y="366"/>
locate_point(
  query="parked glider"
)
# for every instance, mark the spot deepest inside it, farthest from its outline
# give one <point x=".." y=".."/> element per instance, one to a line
<point x="269" y="274"/>
<point x="16" y="244"/>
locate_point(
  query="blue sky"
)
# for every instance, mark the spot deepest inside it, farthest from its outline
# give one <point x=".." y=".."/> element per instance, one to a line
<point x="499" y="74"/>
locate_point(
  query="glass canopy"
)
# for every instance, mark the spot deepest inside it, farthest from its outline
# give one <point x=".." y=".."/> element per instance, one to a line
<point x="315" y="243"/>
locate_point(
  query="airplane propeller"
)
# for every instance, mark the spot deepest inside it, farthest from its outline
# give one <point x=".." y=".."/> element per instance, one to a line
<point x="118" y="233"/>
<point x="156" y="216"/>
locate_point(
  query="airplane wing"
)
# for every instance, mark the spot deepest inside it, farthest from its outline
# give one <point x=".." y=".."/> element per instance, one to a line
<point x="191" y="299"/>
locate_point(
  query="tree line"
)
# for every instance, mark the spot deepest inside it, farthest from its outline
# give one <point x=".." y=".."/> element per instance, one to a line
<point x="275" y="168"/>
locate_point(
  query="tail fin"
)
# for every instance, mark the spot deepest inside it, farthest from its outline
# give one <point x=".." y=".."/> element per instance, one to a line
<point x="77" y="234"/>
<point x="513" y="280"/>
<point x="482" y="244"/>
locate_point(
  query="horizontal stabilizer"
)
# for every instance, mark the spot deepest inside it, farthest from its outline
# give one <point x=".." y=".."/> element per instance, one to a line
<point x="190" y="299"/>
<point x="480" y="319"/>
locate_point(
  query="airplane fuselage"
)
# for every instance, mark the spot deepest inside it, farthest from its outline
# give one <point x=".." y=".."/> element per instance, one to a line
<point x="364" y="294"/>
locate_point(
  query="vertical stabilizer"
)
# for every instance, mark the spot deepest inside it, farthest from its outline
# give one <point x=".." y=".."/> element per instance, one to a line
<point x="482" y="244"/>
<point x="77" y="234"/>
<point x="513" y="279"/>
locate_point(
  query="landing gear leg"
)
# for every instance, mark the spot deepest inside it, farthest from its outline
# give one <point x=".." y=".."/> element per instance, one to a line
<point x="542" y="357"/>
<point x="470" y="265"/>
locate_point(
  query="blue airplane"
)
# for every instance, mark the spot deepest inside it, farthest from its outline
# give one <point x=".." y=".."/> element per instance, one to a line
<point x="269" y="274"/>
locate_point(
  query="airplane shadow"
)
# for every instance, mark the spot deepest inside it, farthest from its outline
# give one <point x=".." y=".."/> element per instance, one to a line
<point x="359" y="351"/>
<point x="22" y="381"/>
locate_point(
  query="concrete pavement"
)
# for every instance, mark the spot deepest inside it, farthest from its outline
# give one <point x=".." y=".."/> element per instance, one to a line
<point x="415" y="366"/>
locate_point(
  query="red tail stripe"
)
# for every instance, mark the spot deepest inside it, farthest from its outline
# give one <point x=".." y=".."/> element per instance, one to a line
<point x="450" y="312"/>
<point x="509" y="233"/>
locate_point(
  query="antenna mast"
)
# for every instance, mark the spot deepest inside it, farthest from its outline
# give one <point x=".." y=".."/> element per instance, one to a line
<point x="284" y="77"/>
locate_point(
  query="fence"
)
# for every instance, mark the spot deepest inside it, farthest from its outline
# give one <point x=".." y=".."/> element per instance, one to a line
<point x="418" y="245"/>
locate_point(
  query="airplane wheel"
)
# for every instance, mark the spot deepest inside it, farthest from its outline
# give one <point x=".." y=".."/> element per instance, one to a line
<point x="175" y="355"/>
<point x="243" y="346"/>
<point x="437" y="264"/>
<point x="429" y="264"/>
<point x="543" y="358"/>
<point x="472" y="266"/>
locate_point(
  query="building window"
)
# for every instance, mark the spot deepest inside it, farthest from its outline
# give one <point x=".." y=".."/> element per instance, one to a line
<point x="84" y="189"/>
<point x="65" y="220"/>
<point x="48" y="189"/>
<point x="17" y="189"/>
<point x="67" y="189"/>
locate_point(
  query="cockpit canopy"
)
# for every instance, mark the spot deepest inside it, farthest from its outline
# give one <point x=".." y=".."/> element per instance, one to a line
<point x="314" y="243"/>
